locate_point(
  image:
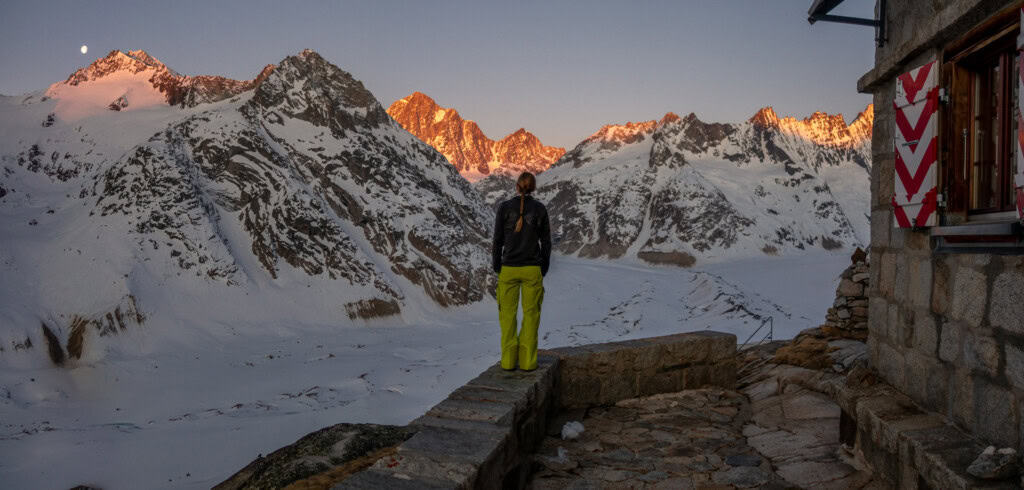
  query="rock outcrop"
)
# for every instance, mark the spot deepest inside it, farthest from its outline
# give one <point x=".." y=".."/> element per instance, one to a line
<point x="320" y="459"/>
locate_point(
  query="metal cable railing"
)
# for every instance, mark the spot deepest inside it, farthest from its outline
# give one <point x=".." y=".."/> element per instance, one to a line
<point x="765" y="338"/>
<point x="763" y="334"/>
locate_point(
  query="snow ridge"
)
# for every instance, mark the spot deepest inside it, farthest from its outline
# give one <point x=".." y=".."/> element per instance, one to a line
<point x="681" y="191"/>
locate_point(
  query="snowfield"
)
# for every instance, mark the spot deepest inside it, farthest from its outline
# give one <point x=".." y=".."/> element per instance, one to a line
<point x="203" y="387"/>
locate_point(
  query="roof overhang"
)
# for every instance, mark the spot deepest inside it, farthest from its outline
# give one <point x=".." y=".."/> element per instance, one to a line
<point x="820" y="11"/>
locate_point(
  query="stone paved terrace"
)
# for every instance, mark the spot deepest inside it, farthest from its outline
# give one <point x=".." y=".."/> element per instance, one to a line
<point x="770" y="434"/>
<point x="681" y="440"/>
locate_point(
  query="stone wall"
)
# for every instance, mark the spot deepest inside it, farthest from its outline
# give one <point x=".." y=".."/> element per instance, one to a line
<point x="602" y="374"/>
<point x="946" y="329"/>
<point x="483" y="434"/>
<point x="848" y="316"/>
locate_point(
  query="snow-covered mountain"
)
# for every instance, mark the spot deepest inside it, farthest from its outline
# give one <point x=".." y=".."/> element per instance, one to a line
<point x="464" y="145"/>
<point x="680" y="190"/>
<point x="129" y="191"/>
<point x="135" y="80"/>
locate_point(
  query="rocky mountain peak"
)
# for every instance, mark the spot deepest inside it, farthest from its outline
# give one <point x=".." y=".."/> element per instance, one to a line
<point x="521" y="135"/>
<point x="629" y="132"/>
<point x="307" y="87"/>
<point x="820" y="127"/>
<point x="420" y="99"/>
<point x="465" y="145"/>
<point x="860" y="128"/>
<point x="417" y="113"/>
<point x="116" y="61"/>
<point x="825" y="124"/>
<point x="672" y="117"/>
<point x="135" y="79"/>
<point x="144" y="57"/>
<point x="265" y="72"/>
<point x="765" y="118"/>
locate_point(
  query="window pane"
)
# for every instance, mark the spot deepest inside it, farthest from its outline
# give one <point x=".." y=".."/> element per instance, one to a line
<point x="1015" y="90"/>
<point x="984" y="172"/>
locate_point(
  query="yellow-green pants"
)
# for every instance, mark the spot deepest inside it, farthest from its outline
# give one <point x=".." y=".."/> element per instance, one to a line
<point x="521" y="346"/>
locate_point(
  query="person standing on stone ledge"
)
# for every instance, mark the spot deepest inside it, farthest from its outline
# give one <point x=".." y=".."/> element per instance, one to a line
<point x="521" y="255"/>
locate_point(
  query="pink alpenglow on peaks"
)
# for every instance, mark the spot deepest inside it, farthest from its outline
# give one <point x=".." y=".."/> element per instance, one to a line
<point x="466" y="146"/>
<point x="134" y="80"/>
<point x="820" y="128"/>
<point x="108" y="80"/>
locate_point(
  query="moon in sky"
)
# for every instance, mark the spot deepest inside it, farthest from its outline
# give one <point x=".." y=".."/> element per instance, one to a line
<point x="85" y="49"/>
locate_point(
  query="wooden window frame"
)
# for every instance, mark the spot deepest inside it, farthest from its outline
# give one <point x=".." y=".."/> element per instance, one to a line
<point x="960" y="230"/>
<point x="994" y="39"/>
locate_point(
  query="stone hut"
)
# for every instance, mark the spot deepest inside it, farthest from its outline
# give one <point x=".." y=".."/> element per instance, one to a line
<point x="946" y="296"/>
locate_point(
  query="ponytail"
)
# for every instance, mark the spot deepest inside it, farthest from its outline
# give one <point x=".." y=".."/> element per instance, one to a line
<point x="525" y="184"/>
<point x="522" y="202"/>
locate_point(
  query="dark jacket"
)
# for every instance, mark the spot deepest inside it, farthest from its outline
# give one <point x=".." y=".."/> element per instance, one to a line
<point x="532" y="245"/>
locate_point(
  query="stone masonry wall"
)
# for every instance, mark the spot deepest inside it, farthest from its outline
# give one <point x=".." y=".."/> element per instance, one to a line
<point x="483" y="434"/>
<point x="602" y="374"/>
<point x="946" y="329"/>
<point x="848" y="315"/>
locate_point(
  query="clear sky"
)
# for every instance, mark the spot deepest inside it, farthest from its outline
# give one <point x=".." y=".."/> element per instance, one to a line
<point x="559" y="68"/>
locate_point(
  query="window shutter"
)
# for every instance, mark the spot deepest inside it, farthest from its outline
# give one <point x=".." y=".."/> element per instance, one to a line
<point x="916" y="116"/>
<point x="1018" y="177"/>
<point x="955" y="117"/>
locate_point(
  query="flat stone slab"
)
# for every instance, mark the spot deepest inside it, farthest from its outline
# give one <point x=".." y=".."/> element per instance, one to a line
<point x="815" y="474"/>
<point x="435" y="467"/>
<point x="377" y="480"/>
<point x="809" y="405"/>
<point x="473" y="446"/>
<point x="797" y="429"/>
<point x="491" y="412"/>
<point x="523" y="382"/>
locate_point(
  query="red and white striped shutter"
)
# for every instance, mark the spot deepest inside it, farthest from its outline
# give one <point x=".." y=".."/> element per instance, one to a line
<point x="1018" y="177"/>
<point x="917" y="119"/>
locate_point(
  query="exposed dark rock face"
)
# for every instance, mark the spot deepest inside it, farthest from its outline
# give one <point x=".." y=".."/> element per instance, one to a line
<point x="371" y="308"/>
<point x="53" y="346"/>
<point x="332" y="200"/>
<point x="681" y="259"/>
<point x="119" y="104"/>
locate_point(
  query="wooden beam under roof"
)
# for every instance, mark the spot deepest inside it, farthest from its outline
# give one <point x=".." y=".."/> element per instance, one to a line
<point x="822" y="7"/>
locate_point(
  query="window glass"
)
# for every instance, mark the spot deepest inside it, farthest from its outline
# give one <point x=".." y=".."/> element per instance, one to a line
<point x="993" y="91"/>
<point x="1014" y="109"/>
